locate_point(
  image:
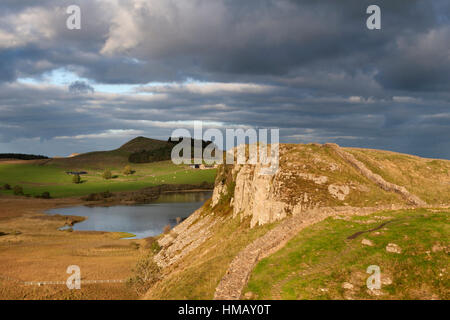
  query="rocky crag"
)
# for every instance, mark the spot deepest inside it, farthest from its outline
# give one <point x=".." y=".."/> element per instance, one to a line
<point x="313" y="182"/>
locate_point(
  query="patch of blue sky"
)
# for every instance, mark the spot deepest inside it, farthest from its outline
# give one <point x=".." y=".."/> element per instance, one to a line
<point x="64" y="77"/>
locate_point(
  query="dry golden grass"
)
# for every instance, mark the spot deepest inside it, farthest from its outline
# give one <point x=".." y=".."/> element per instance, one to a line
<point x="429" y="179"/>
<point x="33" y="249"/>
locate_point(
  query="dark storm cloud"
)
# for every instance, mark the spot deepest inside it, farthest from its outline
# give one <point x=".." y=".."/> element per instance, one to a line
<point x="206" y="39"/>
<point x="309" y="67"/>
<point x="80" y="87"/>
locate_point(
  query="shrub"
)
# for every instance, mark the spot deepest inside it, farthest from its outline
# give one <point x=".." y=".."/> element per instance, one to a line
<point x="167" y="228"/>
<point x="107" y="175"/>
<point x="76" y="179"/>
<point x="135" y="245"/>
<point x="45" y="195"/>
<point x="18" y="190"/>
<point x="106" y="194"/>
<point x="146" y="273"/>
<point x="127" y="170"/>
<point x="155" y="247"/>
<point x="6" y="186"/>
<point x="152" y="244"/>
<point x="98" y="196"/>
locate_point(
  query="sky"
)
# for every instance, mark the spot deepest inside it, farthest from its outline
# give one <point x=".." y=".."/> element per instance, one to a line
<point x="146" y="67"/>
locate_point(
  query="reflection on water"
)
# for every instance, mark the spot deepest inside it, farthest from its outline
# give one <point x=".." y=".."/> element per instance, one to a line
<point x="142" y="220"/>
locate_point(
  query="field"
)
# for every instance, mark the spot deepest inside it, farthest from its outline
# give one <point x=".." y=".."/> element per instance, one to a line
<point x="36" y="177"/>
<point x="33" y="249"/>
<point x="321" y="262"/>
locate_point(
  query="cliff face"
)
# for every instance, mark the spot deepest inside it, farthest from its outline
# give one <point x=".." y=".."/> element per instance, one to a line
<point x="309" y="176"/>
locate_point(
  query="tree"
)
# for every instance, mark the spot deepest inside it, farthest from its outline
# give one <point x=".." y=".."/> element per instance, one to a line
<point x="76" y="179"/>
<point x="18" y="190"/>
<point x="127" y="170"/>
<point x="7" y="187"/>
<point x="107" y="175"/>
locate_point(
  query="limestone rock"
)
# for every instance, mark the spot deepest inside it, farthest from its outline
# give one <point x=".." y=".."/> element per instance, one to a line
<point x="339" y="192"/>
<point x="386" y="280"/>
<point x="219" y="190"/>
<point x="347" y="286"/>
<point x="393" y="248"/>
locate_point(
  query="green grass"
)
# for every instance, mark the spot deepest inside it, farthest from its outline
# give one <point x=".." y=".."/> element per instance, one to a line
<point x="36" y="179"/>
<point x="124" y="235"/>
<point x="316" y="263"/>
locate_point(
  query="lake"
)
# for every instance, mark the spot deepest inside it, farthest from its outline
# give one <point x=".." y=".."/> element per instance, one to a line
<point x="142" y="220"/>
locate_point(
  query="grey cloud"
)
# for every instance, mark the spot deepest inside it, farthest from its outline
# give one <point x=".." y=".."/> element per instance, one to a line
<point x="228" y="39"/>
<point x="80" y="87"/>
<point x="314" y="56"/>
<point x="380" y="123"/>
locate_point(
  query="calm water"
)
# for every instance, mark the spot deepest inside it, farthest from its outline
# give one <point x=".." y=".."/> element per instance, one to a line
<point x="142" y="220"/>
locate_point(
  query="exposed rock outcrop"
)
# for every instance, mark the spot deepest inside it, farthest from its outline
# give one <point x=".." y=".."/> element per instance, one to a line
<point x="338" y="191"/>
<point x="255" y="196"/>
<point x="297" y="186"/>
<point x="184" y="238"/>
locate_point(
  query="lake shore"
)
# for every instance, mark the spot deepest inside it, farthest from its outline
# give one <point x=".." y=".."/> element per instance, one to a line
<point x="142" y="196"/>
<point x="33" y="249"/>
<point x="143" y="220"/>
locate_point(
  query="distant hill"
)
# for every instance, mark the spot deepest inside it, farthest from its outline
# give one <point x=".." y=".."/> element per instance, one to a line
<point x="137" y="150"/>
<point x="112" y="158"/>
<point x="142" y="143"/>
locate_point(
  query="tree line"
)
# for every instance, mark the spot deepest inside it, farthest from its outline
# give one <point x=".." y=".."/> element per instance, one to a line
<point x="21" y="156"/>
<point x="160" y="154"/>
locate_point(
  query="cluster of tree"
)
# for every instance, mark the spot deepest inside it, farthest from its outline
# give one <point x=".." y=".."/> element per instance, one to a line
<point x="18" y="191"/>
<point x="20" y="156"/>
<point x="176" y="141"/>
<point x="145" y="156"/>
<point x="107" y="174"/>
<point x="161" y="154"/>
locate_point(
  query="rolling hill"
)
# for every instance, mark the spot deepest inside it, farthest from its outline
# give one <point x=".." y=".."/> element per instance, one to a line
<point x="50" y="175"/>
<point x="113" y="158"/>
<point x="137" y="150"/>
